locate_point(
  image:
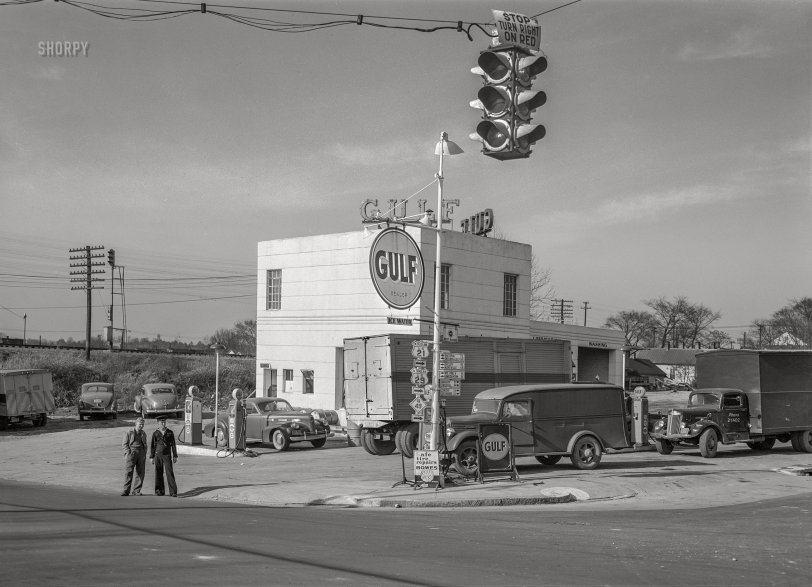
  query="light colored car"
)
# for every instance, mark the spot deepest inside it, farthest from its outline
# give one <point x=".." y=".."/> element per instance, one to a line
<point x="96" y="399"/>
<point x="159" y="399"/>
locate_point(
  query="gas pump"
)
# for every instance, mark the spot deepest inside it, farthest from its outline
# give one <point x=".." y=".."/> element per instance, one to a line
<point x="193" y="418"/>
<point x="640" y="416"/>
<point x="236" y="421"/>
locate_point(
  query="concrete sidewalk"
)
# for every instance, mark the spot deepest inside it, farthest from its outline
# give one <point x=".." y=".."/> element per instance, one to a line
<point x="89" y="455"/>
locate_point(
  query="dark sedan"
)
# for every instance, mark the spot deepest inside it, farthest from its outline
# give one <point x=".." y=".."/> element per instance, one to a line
<point x="96" y="399"/>
<point x="274" y="421"/>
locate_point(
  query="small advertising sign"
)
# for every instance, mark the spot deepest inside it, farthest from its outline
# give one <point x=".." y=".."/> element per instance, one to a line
<point x="427" y="469"/>
<point x="495" y="454"/>
<point x="517" y="29"/>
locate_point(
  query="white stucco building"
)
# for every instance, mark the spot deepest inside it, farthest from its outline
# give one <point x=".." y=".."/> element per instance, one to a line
<point x="315" y="291"/>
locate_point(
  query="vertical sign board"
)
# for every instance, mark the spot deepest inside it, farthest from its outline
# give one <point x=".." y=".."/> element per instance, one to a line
<point x="427" y="469"/>
<point x="495" y="454"/>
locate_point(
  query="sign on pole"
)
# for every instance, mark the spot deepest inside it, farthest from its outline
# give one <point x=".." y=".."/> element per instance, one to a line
<point x="517" y="29"/>
<point x="396" y="268"/>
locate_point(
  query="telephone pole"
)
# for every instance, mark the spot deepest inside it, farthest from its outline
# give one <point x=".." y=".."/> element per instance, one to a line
<point x="561" y="310"/>
<point x="586" y="307"/>
<point x="84" y="262"/>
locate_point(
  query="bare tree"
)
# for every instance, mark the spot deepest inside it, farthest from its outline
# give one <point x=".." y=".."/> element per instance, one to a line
<point x="241" y="339"/>
<point x="794" y="320"/>
<point x="541" y="289"/>
<point x="636" y="326"/>
<point x="695" y="322"/>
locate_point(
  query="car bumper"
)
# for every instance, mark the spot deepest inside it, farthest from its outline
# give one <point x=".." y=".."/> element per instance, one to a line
<point x="308" y="437"/>
<point x="92" y="411"/>
<point x="159" y="411"/>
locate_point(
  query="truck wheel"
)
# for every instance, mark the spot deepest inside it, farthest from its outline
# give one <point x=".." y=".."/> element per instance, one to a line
<point x="81" y="418"/>
<point x="465" y="458"/>
<point x="664" y="447"/>
<point x="365" y="436"/>
<point x="43" y="420"/>
<point x="3" y="422"/>
<point x="280" y="440"/>
<point x="708" y="443"/>
<point x="586" y="454"/>
<point x="548" y="459"/>
<point x="802" y="441"/>
<point x="406" y="440"/>
<point x="380" y="447"/>
<point x="319" y="442"/>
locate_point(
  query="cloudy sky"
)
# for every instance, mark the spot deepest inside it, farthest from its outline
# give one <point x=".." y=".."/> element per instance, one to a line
<point x="676" y="160"/>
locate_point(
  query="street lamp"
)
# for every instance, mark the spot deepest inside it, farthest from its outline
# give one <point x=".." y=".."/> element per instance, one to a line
<point x="216" y="347"/>
<point x="444" y="147"/>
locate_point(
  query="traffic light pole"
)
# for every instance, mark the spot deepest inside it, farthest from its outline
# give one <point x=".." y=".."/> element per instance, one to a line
<point x="434" y="441"/>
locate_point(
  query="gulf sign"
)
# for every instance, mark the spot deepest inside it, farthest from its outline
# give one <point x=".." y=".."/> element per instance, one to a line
<point x="396" y="267"/>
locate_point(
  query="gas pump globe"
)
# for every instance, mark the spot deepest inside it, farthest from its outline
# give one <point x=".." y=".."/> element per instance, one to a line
<point x="236" y="421"/>
<point x="193" y="417"/>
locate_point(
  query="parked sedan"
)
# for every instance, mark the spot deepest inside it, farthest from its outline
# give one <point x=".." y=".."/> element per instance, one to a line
<point x="273" y="421"/>
<point x="157" y="399"/>
<point x="96" y="399"/>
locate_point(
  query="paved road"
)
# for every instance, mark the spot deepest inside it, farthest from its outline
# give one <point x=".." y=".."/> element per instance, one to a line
<point x="57" y="535"/>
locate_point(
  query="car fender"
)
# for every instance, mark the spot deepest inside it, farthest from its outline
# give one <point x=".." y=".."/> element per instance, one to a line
<point x="452" y="443"/>
<point x="580" y="434"/>
<point x="267" y="434"/>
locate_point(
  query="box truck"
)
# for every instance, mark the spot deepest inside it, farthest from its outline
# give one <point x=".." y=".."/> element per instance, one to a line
<point x="25" y="394"/>
<point x="383" y="376"/>
<point x="758" y="397"/>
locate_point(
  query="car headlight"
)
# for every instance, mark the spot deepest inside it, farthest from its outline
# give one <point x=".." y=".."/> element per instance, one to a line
<point x="449" y="431"/>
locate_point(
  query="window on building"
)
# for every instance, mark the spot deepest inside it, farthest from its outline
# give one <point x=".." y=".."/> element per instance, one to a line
<point x="287" y="375"/>
<point x="307" y="381"/>
<point x="274" y="301"/>
<point x="509" y="300"/>
<point x="445" y="286"/>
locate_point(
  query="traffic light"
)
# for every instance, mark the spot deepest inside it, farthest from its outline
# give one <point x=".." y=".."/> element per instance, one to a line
<point x="111" y="257"/>
<point x="508" y="101"/>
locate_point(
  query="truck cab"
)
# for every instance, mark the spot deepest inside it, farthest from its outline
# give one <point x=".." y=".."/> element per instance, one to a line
<point x="711" y="416"/>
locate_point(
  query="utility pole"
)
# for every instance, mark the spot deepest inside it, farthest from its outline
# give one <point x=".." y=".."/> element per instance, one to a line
<point x="561" y="309"/>
<point x="111" y="260"/>
<point x="84" y="258"/>
<point x="586" y="307"/>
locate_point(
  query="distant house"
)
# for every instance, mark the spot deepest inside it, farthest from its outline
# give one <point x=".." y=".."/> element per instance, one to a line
<point x="678" y="365"/>
<point x="642" y="372"/>
<point x="788" y="340"/>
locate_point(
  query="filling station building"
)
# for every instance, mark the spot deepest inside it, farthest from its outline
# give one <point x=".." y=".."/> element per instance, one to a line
<point x="315" y="291"/>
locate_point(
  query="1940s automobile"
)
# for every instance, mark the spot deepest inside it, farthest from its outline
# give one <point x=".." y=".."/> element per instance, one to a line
<point x="272" y="420"/>
<point x="159" y="399"/>
<point x="96" y="399"/>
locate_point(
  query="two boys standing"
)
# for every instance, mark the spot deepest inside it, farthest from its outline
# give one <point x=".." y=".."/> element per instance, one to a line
<point x="163" y="453"/>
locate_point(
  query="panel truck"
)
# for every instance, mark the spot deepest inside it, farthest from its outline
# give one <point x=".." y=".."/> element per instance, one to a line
<point x="383" y="374"/>
<point x="758" y="397"/>
<point x="25" y="394"/>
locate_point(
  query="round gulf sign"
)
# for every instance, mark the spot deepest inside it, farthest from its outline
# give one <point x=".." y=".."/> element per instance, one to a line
<point x="396" y="267"/>
<point x="495" y="447"/>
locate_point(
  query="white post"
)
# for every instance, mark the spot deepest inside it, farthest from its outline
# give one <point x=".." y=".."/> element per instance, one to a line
<point x="216" y="391"/>
<point x="434" y="441"/>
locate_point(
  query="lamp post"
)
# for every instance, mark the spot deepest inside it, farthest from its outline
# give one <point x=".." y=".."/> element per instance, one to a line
<point x="217" y="347"/>
<point x="444" y="147"/>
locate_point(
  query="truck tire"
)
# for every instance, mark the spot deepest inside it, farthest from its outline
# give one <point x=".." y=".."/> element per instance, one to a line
<point x="406" y="439"/>
<point x="664" y="447"/>
<point x="548" y="460"/>
<point x="43" y="420"/>
<point x="708" y="443"/>
<point x="3" y="422"/>
<point x="380" y="447"/>
<point x="465" y="458"/>
<point x="280" y="440"/>
<point x="586" y="454"/>
<point x="81" y="418"/>
<point x="365" y="436"/>
<point x="802" y="440"/>
<point x="766" y="444"/>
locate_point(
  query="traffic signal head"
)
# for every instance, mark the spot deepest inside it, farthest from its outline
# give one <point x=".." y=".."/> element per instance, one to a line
<point x="111" y="257"/>
<point x="507" y="101"/>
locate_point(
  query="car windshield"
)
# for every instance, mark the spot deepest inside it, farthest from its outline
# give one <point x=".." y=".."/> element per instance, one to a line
<point x="490" y="406"/>
<point x="704" y="399"/>
<point x="278" y="405"/>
